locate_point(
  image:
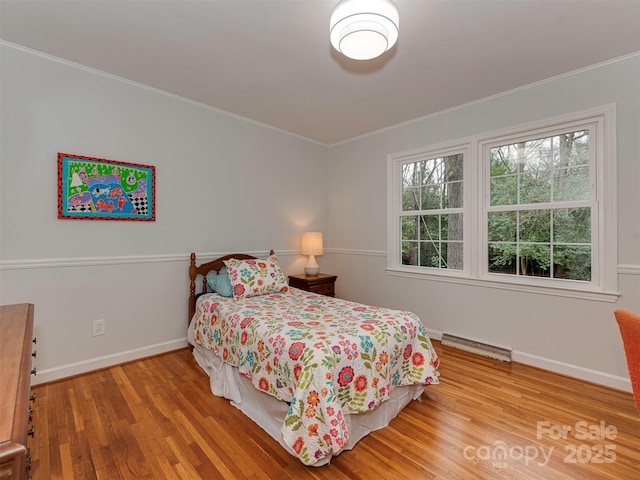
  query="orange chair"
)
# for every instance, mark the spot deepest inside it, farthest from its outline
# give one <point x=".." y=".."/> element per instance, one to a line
<point x="629" y="324"/>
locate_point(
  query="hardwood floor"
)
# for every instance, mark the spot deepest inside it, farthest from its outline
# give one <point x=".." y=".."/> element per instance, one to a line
<point x="156" y="418"/>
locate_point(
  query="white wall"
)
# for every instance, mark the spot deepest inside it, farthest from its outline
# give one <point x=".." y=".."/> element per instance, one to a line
<point x="576" y="337"/>
<point x="226" y="184"/>
<point x="223" y="184"/>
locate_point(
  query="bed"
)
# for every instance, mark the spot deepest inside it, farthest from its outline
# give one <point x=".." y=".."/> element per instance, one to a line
<point x="316" y="373"/>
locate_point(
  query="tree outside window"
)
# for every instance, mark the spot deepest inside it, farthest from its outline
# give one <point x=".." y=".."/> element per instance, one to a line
<point x="431" y="223"/>
<point x="539" y="220"/>
<point x="528" y="208"/>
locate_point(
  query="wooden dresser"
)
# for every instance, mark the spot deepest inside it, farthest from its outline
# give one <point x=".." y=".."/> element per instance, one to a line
<point x="16" y="340"/>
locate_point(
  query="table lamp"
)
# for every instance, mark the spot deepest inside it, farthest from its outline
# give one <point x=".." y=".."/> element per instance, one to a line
<point x="312" y="246"/>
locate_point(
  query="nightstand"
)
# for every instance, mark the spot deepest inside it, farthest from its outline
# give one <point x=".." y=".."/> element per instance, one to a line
<point x="322" y="283"/>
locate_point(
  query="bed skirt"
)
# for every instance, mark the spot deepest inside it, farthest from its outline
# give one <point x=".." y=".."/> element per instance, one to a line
<point x="268" y="412"/>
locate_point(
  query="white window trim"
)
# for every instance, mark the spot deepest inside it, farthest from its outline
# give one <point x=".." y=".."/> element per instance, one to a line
<point x="604" y="285"/>
<point x="394" y="168"/>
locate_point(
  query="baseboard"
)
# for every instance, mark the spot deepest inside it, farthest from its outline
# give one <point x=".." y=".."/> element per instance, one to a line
<point x="586" y="374"/>
<point x="581" y="373"/>
<point x="435" y="334"/>
<point x="71" y="369"/>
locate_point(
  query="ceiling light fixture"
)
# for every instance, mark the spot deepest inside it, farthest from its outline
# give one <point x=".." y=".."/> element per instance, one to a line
<point x="364" y="29"/>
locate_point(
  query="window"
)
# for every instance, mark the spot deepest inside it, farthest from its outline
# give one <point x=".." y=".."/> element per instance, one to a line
<point x="540" y="203"/>
<point x="530" y="208"/>
<point x="431" y="221"/>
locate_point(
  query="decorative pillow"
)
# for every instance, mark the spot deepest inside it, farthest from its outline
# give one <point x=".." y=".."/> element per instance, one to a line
<point x="212" y="278"/>
<point x="223" y="285"/>
<point x="261" y="276"/>
<point x="220" y="283"/>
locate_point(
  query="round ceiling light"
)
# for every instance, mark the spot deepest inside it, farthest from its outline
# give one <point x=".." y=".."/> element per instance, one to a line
<point x="364" y="29"/>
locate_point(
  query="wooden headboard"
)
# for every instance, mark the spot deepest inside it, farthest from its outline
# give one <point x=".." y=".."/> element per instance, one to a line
<point x="195" y="270"/>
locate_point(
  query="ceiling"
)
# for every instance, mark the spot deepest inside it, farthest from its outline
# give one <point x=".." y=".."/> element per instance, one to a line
<point x="271" y="60"/>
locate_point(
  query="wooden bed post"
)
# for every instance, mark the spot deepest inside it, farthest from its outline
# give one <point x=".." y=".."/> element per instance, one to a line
<point x="192" y="286"/>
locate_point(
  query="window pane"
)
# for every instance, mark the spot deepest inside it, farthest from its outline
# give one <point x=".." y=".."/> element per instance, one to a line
<point x="504" y="190"/>
<point x="572" y="225"/>
<point x="431" y="197"/>
<point x="409" y="228"/>
<point x="429" y="255"/>
<point x="502" y="226"/>
<point x="430" y="227"/>
<point x="410" y="198"/>
<point x="504" y="160"/>
<point x="571" y="184"/>
<point x="534" y="226"/>
<point x="535" y="188"/>
<point x="550" y="169"/>
<point x="535" y="260"/>
<point x="433" y="173"/>
<point x="571" y="149"/>
<point x="452" y="227"/>
<point x="443" y="254"/>
<point x="453" y="195"/>
<point x="411" y="173"/>
<point x="453" y="168"/>
<point x="441" y="183"/>
<point x="454" y="255"/>
<point x="441" y="227"/>
<point x="441" y="241"/>
<point x="411" y="177"/>
<point x="409" y="253"/>
<point x="529" y="254"/>
<point x="572" y="262"/>
<point x="502" y="258"/>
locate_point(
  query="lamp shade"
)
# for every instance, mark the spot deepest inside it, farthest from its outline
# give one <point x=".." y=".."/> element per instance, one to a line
<point x="364" y="29"/>
<point x="311" y="243"/>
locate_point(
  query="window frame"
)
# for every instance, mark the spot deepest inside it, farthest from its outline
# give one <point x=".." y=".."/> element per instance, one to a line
<point x="476" y="171"/>
<point x="485" y="149"/>
<point x="394" y="225"/>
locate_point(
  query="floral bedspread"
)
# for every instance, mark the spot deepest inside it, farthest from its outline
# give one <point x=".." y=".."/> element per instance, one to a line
<point x="324" y="356"/>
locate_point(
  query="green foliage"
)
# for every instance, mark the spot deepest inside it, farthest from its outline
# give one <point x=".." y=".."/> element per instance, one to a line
<point x="528" y="235"/>
<point x="543" y="171"/>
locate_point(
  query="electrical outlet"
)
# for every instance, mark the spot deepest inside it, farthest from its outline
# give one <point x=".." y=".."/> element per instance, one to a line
<point x="98" y="327"/>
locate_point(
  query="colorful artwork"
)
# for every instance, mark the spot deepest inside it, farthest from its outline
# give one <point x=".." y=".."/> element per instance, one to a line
<point x="97" y="189"/>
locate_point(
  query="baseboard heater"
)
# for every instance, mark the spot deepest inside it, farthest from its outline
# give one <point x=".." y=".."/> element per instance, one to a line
<point x="473" y="346"/>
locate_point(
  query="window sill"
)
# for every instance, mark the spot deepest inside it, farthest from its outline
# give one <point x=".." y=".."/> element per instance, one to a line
<point x="558" y="291"/>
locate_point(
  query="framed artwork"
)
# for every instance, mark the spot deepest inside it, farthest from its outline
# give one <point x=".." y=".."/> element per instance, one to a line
<point x="98" y="189"/>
